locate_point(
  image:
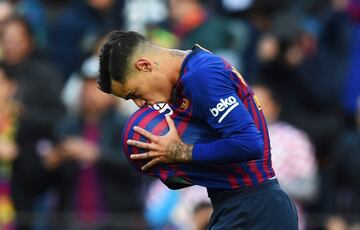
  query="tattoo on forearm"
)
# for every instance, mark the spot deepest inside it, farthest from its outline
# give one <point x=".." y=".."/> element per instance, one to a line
<point x="179" y="152"/>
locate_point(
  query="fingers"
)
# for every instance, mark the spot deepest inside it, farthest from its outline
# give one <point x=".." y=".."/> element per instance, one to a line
<point x="139" y="144"/>
<point x="170" y="123"/>
<point x="151" y="163"/>
<point x="143" y="156"/>
<point x="145" y="133"/>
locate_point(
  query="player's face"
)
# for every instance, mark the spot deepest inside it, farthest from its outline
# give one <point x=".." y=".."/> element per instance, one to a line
<point x="143" y="89"/>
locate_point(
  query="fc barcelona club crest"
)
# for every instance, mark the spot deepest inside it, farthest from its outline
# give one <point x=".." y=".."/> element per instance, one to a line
<point x="184" y="105"/>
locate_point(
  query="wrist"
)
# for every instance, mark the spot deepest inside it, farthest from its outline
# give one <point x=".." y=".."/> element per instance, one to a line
<point x="179" y="151"/>
<point x="188" y="151"/>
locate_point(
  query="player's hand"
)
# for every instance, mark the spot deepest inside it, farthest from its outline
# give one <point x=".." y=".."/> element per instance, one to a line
<point x="162" y="149"/>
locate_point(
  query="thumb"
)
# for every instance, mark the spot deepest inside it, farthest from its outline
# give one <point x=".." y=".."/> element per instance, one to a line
<point x="170" y="123"/>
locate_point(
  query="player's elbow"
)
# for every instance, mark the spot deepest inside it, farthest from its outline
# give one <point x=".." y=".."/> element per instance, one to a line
<point x="257" y="150"/>
<point x="251" y="148"/>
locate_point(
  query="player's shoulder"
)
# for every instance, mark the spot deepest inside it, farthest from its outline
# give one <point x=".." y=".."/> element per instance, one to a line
<point x="202" y="59"/>
<point x="204" y="67"/>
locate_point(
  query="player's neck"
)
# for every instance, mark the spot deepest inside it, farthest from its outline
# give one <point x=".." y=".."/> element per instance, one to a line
<point x="176" y="58"/>
<point x="169" y="62"/>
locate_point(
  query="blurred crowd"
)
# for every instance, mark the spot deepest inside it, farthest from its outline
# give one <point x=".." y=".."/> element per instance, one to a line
<point x="61" y="160"/>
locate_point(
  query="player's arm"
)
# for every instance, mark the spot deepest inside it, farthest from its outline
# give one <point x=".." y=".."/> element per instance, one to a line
<point x="218" y="104"/>
<point x="239" y="139"/>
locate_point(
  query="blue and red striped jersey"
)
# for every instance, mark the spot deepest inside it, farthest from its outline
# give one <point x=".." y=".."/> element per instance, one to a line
<point x="191" y="131"/>
<point x="215" y="109"/>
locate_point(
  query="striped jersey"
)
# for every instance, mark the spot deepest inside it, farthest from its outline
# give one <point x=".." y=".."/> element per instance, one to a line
<point x="215" y="109"/>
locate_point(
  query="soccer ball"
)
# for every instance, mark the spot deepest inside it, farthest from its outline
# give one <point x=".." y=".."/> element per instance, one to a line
<point x="153" y="120"/>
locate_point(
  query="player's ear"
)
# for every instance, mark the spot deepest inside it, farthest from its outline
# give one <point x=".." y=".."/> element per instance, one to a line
<point x="143" y="65"/>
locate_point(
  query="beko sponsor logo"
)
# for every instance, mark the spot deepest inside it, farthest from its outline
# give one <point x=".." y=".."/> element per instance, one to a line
<point x="227" y="105"/>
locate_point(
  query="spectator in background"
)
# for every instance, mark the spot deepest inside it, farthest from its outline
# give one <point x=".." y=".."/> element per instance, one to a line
<point x="72" y="88"/>
<point x="347" y="166"/>
<point x="282" y="67"/>
<point x="321" y="47"/>
<point x="190" y="22"/>
<point x="340" y="223"/>
<point x="6" y="10"/>
<point x="293" y="154"/>
<point x="34" y="13"/>
<point x="352" y="83"/>
<point x="8" y="148"/>
<point x="304" y="44"/>
<point x="276" y="71"/>
<point x="302" y="52"/>
<point x="38" y="94"/>
<point x="137" y="14"/>
<point x="75" y="34"/>
<point x="336" y="223"/>
<point x="37" y="13"/>
<point x="95" y="178"/>
<point x="201" y="215"/>
<point x="184" y="209"/>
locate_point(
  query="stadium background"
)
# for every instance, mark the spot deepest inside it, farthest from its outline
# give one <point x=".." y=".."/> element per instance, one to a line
<point x="61" y="165"/>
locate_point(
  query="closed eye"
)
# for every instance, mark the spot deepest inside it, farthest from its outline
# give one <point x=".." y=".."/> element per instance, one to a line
<point x="130" y="95"/>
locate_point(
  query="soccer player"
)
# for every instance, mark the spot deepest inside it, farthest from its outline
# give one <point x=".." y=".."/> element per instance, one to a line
<point x="236" y="167"/>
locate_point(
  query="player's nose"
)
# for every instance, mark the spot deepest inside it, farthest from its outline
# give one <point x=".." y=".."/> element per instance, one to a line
<point x="139" y="102"/>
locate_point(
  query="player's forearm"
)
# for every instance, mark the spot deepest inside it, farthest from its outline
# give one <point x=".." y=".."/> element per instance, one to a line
<point x="179" y="151"/>
<point x="228" y="150"/>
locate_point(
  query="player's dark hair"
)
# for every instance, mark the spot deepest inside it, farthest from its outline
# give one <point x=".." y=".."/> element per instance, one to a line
<point x="115" y="55"/>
